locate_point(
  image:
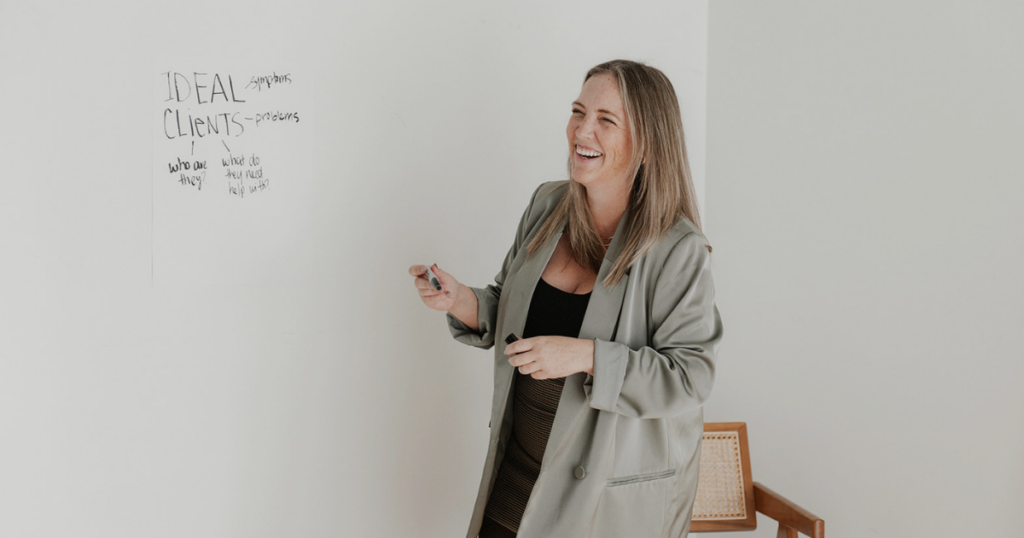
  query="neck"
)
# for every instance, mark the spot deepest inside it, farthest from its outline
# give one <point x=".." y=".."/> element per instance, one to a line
<point x="607" y="206"/>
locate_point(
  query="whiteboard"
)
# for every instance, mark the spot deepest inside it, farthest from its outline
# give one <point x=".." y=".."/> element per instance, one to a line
<point x="177" y="359"/>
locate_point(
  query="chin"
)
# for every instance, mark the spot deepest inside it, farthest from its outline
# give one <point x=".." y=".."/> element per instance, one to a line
<point x="588" y="181"/>
<point x="582" y="179"/>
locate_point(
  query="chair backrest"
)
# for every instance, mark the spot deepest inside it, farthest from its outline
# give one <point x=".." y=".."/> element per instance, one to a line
<point x="728" y="497"/>
<point x="725" y="491"/>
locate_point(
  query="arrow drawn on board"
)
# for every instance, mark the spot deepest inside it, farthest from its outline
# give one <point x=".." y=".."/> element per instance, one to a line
<point x="225" y="146"/>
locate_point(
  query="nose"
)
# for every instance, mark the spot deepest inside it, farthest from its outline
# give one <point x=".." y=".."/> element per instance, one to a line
<point x="585" y="128"/>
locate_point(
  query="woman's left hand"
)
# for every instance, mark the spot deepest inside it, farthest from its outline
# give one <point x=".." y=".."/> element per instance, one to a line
<point x="551" y="357"/>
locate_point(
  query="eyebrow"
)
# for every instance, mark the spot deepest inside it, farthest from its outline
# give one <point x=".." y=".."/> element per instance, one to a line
<point x="600" y="110"/>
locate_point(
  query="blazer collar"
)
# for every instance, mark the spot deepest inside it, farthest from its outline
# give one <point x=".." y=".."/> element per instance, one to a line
<point x="604" y="305"/>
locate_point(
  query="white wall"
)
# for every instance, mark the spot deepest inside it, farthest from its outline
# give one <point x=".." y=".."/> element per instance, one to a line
<point x="866" y="206"/>
<point x="287" y="382"/>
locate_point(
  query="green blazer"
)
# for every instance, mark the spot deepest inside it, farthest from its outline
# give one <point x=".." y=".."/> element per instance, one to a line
<point x="624" y="449"/>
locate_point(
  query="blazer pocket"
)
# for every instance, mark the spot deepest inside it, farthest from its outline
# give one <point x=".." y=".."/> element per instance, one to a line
<point x="633" y="479"/>
<point x="633" y="506"/>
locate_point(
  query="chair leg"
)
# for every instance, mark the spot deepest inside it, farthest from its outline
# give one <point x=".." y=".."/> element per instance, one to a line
<point x="787" y="532"/>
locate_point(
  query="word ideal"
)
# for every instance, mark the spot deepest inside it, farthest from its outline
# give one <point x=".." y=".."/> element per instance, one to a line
<point x="259" y="82"/>
<point x="177" y="81"/>
<point x="194" y="179"/>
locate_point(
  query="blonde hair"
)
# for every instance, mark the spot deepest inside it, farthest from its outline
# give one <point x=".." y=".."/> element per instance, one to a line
<point x="662" y="189"/>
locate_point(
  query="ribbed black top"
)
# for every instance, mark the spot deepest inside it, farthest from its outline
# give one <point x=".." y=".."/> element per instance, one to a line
<point x="553" y="312"/>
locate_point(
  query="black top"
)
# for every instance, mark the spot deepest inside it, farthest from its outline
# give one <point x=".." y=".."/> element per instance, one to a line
<point x="553" y="312"/>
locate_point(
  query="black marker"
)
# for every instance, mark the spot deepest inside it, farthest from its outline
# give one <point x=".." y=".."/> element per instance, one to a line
<point x="432" y="278"/>
<point x="509" y="339"/>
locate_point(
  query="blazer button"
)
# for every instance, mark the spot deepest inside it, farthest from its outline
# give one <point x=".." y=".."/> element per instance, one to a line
<point x="580" y="472"/>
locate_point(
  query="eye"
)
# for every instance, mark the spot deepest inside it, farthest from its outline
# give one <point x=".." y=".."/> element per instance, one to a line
<point x="608" y="120"/>
<point x="577" y="111"/>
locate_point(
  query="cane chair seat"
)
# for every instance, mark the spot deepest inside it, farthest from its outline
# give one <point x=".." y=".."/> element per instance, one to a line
<point x="728" y="498"/>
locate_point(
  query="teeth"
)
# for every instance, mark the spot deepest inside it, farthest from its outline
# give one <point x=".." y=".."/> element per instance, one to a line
<point x="587" y="153"/>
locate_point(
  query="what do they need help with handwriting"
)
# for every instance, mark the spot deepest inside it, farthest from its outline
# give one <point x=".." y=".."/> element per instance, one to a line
<point x="244" y="174"/>
<point x="215" y="91"/>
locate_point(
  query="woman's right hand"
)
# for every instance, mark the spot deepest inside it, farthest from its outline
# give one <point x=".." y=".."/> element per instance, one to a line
<point x="443" y="300"/>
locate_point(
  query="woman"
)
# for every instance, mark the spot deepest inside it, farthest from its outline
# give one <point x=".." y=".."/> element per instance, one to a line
<point x="596" y="418"/>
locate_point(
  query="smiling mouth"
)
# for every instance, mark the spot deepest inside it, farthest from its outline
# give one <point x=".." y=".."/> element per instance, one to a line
<point x="587" y="154"/>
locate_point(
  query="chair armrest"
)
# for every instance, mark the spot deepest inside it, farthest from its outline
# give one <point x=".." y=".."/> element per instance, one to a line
<point x="786" y="512"/>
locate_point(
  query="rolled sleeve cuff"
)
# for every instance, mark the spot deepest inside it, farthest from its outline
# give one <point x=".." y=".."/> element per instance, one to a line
<point x="603" y="388"/>
<point x="460" y="331"/>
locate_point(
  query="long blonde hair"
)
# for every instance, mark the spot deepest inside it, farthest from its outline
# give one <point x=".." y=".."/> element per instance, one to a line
<point x="662" y="189"/>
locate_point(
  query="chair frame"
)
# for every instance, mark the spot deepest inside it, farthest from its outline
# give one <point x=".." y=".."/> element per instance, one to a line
<point x="792" y="518"/>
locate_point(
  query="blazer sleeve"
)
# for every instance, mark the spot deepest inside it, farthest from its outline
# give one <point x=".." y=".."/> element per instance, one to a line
<point x="487" y="298"/>
<point x="673" y="374"/>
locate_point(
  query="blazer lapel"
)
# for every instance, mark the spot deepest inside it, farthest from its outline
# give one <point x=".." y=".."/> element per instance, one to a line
<point x="598" y="322"/>
<point x="517" y="294"/>
<point x="520" y="290"/>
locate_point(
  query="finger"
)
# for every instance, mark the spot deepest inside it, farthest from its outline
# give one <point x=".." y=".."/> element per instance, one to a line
<point x="428" y="292"/>
<point x="522" y="345"/>
<point x="422" y="283"/>
<point x="417" y="270"/>
<point x="529" y="369"/>
<point x="521" y="359"/>
<point x="445" y="278"/>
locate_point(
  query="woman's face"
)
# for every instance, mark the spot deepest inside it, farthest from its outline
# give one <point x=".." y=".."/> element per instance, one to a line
<point x="599" y="135"/>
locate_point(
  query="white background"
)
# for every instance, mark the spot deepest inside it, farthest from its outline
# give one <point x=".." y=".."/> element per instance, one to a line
<point x="288" y="382"/>
<point x="866" y="207"/>
<point x="864" y="201"/>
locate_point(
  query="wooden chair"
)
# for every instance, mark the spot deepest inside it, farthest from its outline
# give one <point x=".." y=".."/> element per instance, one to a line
<point x="727" y="496"/>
